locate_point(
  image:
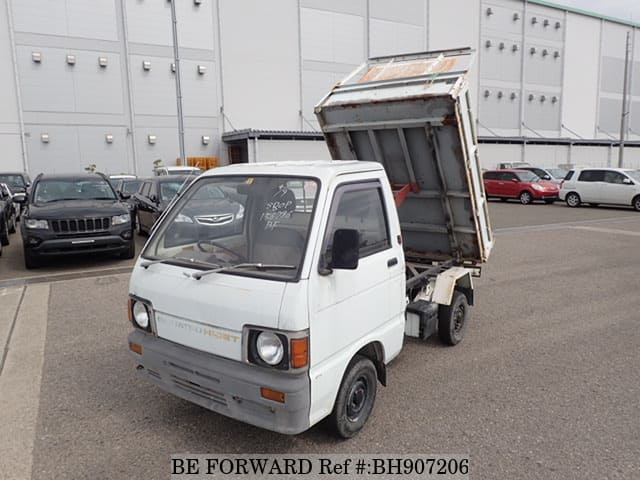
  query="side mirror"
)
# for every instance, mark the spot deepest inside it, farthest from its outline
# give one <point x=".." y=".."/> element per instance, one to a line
<point x="627" y="181"/>
<point x="125" y="195"/>
<point x="20" y="198"/>
<point x="346" y="249"/>
<point x="515" y="180"/>
<point x="546" y="177"/>
<point x="153" y="198"/>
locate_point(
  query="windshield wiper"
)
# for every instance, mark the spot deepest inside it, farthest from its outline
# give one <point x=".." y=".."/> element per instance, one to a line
<point x="257" y="266"/>
<point x="147" y="263"/>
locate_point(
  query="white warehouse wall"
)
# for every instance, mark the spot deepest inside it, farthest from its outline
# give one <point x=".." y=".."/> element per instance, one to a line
<point x="260" y="64"/>
<point x="285" y="150"/>
<point x="268" y="63"/>
<point x="10" y="143"/>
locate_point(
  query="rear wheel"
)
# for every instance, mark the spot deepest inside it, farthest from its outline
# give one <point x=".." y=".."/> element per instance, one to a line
<point x="452" y="319"/>
<point x="526" y="198"/>
<point x="636" y="203"/>
<point x="355" y="399"/>
<point x="573" y="199"/>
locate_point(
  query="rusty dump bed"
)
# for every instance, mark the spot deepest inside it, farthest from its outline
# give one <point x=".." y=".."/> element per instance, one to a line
<point x="411" y="114"/>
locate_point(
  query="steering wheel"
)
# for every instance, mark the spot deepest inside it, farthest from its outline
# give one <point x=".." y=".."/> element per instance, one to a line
<point x="221" y="247"/>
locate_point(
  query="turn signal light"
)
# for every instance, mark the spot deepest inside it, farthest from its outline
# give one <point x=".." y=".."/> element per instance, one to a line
<point x="129" y="310"/>
<point x="299" y="352"/>
<point x="134" y="347"/>
<point x="272" y="394"/>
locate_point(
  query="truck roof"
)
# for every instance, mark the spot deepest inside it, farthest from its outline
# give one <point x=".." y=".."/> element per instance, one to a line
<point x="322" y="169"/>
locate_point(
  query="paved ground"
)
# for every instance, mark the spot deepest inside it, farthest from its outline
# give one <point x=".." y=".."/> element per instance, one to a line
<point x="545" y="384"/>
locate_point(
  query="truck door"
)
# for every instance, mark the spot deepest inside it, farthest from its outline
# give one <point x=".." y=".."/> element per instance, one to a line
<point x="347" y="305"/>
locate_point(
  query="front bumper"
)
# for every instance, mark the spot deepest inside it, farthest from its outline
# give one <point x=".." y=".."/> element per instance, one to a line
<point x="545" y="195"/>
<point x="225" y="386"/>
<point x="77" y="245"/>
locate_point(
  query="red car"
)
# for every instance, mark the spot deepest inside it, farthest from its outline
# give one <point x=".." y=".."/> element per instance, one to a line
<point x="521" y="184"/>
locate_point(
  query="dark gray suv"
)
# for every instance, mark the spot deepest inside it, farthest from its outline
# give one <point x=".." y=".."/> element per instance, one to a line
<point x="75" y="214"/>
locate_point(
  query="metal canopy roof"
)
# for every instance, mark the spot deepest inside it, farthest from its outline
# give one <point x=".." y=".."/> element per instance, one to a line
<point x="250" y="133"/>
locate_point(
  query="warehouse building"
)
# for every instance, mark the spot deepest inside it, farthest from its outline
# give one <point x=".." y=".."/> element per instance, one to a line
<point x="93" y="83"/>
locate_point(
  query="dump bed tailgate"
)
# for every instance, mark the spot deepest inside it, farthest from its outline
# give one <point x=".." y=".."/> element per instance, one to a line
<point x="411" y="113"/>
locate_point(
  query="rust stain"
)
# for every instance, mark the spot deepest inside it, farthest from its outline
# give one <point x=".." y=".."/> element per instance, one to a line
<point x="450" y="120"/>
<point x="392" y="71"/>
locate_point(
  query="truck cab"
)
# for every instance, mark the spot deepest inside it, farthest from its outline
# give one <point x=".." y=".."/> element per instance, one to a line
<point x="281" y="299"/>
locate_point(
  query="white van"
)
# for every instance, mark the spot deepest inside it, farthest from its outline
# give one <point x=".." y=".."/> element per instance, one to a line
<point x="611" y="186"/>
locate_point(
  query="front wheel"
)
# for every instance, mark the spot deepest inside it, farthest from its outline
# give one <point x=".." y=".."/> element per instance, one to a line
<point x="636" y="203"/>
<point x="130" y="252"/>
<point x="573" y="199"/>
<point x="452" y="319"/>
<point x="525" y="198"/>
<point x="355" y="399"/>
<point x="4" y="234"/>
<point x="139" y="230"/>
<point x="30" y="260"/>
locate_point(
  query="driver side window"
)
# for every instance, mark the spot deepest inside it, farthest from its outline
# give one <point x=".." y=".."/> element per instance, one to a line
<point x="359" y="207"/>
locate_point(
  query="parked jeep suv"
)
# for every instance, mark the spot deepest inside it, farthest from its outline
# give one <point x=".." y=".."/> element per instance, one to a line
<point x="615" y="186"/>
<point x="74" y="214"/>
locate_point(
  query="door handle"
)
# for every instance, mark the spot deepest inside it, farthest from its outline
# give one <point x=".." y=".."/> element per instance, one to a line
<point x="392" y="261"/>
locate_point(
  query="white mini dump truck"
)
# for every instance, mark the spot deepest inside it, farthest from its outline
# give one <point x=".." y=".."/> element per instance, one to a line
<point x="277" y="293"/>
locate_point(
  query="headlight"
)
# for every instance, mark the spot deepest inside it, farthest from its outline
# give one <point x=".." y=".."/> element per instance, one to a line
<point x="39" y="224"/>
<point x="121" y="219"/>
<point x="240" y="214"/>
<point x="181" y="218"/>
<point x="537" y="187"/>
<point x="270" y="348"/>
<point x="141" y="315"/>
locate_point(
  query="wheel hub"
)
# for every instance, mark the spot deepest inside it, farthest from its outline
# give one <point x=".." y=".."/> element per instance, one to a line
<point x="357" y="399"/>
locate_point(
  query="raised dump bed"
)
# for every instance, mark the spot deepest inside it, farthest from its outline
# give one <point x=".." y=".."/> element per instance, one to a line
<point x="411" y="113"/>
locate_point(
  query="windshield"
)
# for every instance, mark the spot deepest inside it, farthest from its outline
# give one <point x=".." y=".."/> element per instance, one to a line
<point x="228" y="221"/>
<point x="557" y="172"/>
<point x="184" y="171"/>
<point x="527" y="176"/>
<point x="12" y="180"/>
<point x="131" y="186"/>
<point x="55" y="190"/>
<point x="169" y="189"/>
<point x="635" y="174"/>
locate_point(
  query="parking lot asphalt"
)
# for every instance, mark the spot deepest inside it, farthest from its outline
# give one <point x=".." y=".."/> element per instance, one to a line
<point x="545" y="384"/>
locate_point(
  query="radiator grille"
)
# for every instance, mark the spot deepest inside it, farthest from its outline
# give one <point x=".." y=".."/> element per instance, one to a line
<point x="81" y="225"/>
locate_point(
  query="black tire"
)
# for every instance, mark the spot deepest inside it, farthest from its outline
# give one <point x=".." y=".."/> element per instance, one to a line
<point x="355" y="399"/>
<point x="30" y="260"/>
<point x="573" y="199"/>
<point x="4" y="234"/>
<point x="12" y="225"/>
<point x="453" y="319"/>
<point x="636" y="203"/>
<point x="139" y="229"/>
<point x="525" y="197"/>
<point x="131" y="250"/>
